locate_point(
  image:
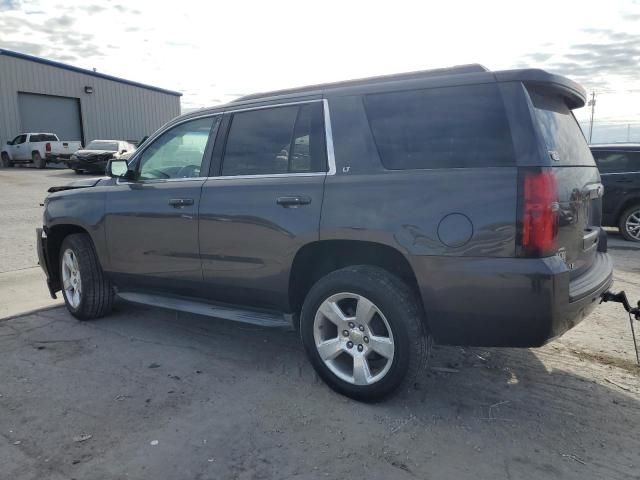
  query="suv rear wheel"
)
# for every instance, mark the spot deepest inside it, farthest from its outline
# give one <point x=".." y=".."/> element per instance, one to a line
<point x="87" y="292"/>
<point x="362" y="329"/>
<point x="630" y="223"/>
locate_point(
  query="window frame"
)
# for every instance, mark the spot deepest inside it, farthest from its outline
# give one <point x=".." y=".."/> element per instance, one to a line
<point x="216" y="165"/>
<point x="427" y="90"/>
<point x="613" y="150"/>
<point x="206" y="159"/>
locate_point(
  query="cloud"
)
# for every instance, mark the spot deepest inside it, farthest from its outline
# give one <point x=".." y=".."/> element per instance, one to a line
<point x="6" y="5"/>
<point x="610" y="55"/>
<point x="58" y="39"/>
<point x="23" y="47"/>
<point x="92" y="9"/>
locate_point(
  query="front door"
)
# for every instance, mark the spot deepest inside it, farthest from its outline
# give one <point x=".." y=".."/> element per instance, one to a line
<point x="152" y="221"/>
<point x="19" y="148"/>
<point x="263" y="203"/>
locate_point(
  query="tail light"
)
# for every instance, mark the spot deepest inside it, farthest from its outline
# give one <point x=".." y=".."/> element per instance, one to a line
<point x="539" y="213"/>
<point x="47" y="147"/>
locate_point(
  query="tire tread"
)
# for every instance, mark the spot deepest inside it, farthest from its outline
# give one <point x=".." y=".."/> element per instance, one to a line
<point x="97" y="291"/>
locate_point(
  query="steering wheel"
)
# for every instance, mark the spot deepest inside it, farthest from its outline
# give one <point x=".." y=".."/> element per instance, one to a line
<point x="188" y="171"/>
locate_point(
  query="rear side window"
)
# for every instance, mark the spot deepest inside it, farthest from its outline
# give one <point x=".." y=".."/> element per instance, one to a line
<point x="275" y="141"/>
<point x="451" y="127"/>
<point x="617" y="162"/>
<point x="43" y="137"/>
<point x="562" y="135"/>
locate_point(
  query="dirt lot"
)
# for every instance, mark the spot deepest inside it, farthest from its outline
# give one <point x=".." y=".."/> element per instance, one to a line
<point x="151" y="394"/>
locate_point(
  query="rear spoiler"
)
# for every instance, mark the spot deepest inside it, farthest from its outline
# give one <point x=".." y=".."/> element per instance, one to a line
<point x="576" y="95"/>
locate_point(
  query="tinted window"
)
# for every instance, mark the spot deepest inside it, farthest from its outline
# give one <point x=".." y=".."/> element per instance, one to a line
<point x="560" y="130"/>
<point x="276" y="140"/>
<point x="102" y="145"/>
<point x="178" y="153"/>
<point x="441" y="128"/>
<point x="617" y="162"/>
<point x="19" y="139"/>
<point x="43" y="137"/>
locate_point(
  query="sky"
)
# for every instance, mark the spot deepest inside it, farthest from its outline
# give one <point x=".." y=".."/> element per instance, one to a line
<point x="216" y="51"/>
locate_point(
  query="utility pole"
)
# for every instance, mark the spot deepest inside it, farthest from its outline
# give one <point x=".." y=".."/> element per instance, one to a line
<point x="592" y="104"/>
<point x="628" y="131"/>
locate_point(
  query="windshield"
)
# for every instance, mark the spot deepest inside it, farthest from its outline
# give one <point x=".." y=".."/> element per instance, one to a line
<point x="102" y="145"/>
<point x="560" y="130"/>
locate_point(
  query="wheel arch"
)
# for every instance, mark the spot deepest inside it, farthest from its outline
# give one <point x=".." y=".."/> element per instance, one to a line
<point x="55" y="236"/>
<point x="625" y="205"/>
<point x="316" y="259"/>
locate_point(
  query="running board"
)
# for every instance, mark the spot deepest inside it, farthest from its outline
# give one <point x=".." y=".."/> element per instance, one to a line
<point x="261" y="318"/>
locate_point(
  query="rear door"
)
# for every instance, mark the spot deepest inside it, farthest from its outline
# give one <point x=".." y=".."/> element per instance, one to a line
<point x="620" y="172"/>
<point x="152" y="222"/>
<point x="262" y="202"/>
<point x="577" y="180"/>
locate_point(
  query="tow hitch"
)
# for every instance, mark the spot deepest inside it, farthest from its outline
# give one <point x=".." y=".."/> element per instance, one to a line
<point x="634" y="313"/>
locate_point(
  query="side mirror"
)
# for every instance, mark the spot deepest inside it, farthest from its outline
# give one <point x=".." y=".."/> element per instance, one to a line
<point x="9" y="142"/>
<point x="118" y="169"/>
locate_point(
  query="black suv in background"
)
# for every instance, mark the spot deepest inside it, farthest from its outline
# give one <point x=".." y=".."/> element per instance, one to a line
<point x="619" y="166"/>
<point x="376" y="215"/>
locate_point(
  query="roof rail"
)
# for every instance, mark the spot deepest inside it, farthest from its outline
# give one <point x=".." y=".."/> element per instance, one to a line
<point x="438" y="72"/>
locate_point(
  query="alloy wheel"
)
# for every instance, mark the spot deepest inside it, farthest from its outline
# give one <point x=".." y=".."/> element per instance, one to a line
<point x="632" y="224"/>
<point x="353" y="338"/>
<point x="71" y="281"/>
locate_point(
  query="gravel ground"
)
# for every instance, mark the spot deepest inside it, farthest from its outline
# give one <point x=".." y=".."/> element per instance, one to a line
<point x="151" y="394"/>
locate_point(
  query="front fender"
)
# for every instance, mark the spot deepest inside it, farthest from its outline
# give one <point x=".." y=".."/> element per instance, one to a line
<point x="79" y="209"/>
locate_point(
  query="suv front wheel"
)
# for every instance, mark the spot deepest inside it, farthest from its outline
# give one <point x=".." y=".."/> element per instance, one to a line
<point x="87" y="292"/>
<point x="630" y="223"/>
<point x="362" y="329"/>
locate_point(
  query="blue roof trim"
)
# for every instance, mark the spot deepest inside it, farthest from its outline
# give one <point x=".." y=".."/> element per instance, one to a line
<point x="64" y="66"/>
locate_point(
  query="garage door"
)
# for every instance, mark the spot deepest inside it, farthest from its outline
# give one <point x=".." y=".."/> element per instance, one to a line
<point x="46" y="113"/>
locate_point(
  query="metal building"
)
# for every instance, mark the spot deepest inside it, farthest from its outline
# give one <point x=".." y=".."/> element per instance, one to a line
<point x="38" y="95"/>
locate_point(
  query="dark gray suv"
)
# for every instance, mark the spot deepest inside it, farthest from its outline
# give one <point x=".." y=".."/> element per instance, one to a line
<point x="457" y="205"/>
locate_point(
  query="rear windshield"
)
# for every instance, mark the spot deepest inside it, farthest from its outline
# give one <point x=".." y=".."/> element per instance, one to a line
<point x="43" y="137"/>
<point x="102" y="145"/>
<point x="560" y="130"/>
<point x="450" y="127"/>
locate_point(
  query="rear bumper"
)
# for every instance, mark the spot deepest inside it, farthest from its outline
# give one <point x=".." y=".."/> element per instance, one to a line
<point x="44" y="260"/>
<point x="57" y="157"/>
<point x="507" y="302"/>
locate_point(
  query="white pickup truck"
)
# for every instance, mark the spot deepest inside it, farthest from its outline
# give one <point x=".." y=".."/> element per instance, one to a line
<point x="37" y="148"/>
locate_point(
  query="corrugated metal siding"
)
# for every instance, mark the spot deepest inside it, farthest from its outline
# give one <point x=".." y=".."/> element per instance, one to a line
<point x="114" y="111"/>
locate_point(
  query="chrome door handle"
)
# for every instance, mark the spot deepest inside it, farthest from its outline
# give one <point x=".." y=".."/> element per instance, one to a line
<point x="293" y="200"/>
<point x="180" y="202"/>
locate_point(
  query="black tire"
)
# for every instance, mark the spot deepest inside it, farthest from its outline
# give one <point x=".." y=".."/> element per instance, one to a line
<point x="38" y="161"/>
<point x="634" y="211"/>
<point x="6" y="163"/>
<point x="97" y="293"/>
<point x="404" y="315"/>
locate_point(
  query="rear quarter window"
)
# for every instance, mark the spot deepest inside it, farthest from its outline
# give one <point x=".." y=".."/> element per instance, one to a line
<point x="449" y="127"/>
